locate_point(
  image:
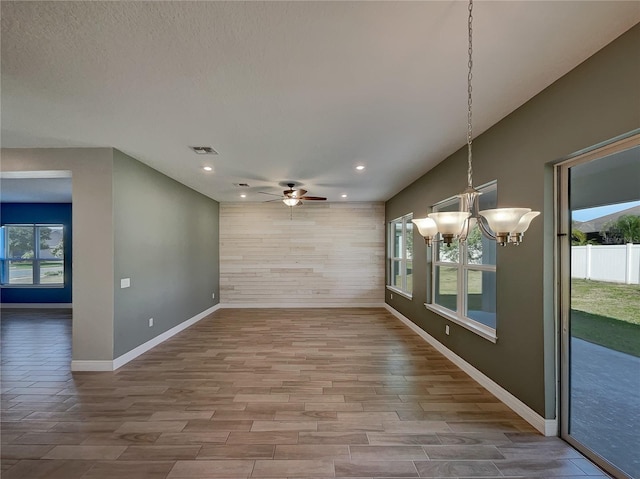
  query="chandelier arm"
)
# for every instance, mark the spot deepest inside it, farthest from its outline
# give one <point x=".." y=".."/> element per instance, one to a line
<point x="464" y="232"/>
<point x="484" y="228"/>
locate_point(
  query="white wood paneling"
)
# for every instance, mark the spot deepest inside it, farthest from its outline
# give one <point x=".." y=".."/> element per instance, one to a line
<point x="314" y="254"/>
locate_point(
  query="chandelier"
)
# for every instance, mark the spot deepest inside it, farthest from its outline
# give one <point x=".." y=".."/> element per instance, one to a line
<point x="503" y="225"/>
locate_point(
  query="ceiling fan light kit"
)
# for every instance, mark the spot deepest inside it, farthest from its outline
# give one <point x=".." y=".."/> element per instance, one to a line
<point x="293" y="197"/>
<point x="503" y="225"/>
<point x="291" y="201"/>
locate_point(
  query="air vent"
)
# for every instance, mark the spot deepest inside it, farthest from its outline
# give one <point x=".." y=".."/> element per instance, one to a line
<point x="241" y="185"/>
<point x="204" y="150"/>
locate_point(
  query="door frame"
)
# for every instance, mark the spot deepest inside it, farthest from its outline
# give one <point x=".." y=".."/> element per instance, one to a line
<point x="563" y="280"/>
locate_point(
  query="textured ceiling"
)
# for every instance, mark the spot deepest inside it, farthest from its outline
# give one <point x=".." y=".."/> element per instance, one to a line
<point x="298" y="91"/>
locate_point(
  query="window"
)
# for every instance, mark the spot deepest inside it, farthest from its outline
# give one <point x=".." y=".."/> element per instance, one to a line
<point x="401" y="255"/>
<point x="464" y="274"/>
<point x="32" y="255"/>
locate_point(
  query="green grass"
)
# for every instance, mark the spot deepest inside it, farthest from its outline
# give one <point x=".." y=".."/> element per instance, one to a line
<point x="613" y="300"/>
<point x="607" y="314"/>
<point x="608" y="332"/>
<point x="448" y="292"/>
<point x="409" y="283"/>
<point x="21" y="265"/>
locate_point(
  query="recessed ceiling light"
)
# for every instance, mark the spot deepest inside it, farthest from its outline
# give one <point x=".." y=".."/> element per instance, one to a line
<point x="344" y="196"/>
<point x="360" y="167"/>
<point x="203" y="150"/>
<point x="207" y="168"/>
<point x="243" y="196"/>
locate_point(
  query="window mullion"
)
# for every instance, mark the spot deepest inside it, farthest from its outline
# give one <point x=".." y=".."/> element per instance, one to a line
<point x="402" y="249"/>
<point x="403" y="266"/>
<point x="35" y="265"/>
<point x="462" y="280"/>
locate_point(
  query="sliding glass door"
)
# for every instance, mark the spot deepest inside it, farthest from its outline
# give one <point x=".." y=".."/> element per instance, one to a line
<point x="600" y="276"/>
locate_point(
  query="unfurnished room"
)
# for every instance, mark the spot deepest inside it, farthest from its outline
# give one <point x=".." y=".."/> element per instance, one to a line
<point x="320" y="239"/>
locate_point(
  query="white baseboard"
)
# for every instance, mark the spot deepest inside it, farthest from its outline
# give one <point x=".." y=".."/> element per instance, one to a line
<point x="80" y="365"/>
<point x="299" y="305"/>
<point x="548" y="427"/>
<point x="36" y="305"/>
<point x="152" y="343"/>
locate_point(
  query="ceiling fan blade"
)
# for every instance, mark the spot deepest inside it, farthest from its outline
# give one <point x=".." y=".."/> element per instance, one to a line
<point x="271" y="201"/>
<point x="270" y="194"/>
<point x="298" y="193"/>
<point x="313" y="198"/>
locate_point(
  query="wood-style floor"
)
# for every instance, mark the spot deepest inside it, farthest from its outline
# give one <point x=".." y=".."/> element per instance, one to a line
<point x="261" y="393"/>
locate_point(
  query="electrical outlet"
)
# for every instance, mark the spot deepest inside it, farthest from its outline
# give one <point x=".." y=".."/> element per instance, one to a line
<point x="446" y="329"/>
<point x="213" y="295"/>
<point x="391" y="295"/>
<point x="150" y="322"/>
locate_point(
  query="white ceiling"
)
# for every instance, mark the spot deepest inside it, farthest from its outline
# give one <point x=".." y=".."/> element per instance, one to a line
<point x="299" y="91"/>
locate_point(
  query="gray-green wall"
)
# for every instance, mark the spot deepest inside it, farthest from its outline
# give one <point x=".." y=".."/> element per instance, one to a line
<point x="597" y="101"/>
<point x="166" y="241"/>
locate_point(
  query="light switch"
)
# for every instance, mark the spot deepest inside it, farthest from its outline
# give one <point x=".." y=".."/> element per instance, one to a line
<point x="125" y="282"/>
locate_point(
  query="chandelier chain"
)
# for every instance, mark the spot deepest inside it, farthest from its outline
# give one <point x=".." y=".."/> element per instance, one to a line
<point x="469" y="100"/>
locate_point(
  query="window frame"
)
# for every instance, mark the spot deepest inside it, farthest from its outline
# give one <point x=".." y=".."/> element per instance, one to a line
<point x="463" y="267"/>
<point x="402" y="290"/>
<point x="6" y="260"/>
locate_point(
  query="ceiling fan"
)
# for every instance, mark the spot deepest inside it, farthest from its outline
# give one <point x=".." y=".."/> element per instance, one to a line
<point x="294" y="197"/>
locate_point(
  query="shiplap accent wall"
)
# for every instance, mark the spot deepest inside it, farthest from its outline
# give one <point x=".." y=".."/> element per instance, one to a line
<point x="316" y="254"/>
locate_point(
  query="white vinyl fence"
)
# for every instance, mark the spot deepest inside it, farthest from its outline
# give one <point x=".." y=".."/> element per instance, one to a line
<point x="612" y="263"/>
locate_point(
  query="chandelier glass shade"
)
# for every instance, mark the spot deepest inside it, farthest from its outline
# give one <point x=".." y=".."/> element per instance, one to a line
<point x="504" y="225"/>
<point x="427" y="228"/>
<point x="502" y="221"/>
<point x="450" y="224"/>
<point x="518" y="232"/>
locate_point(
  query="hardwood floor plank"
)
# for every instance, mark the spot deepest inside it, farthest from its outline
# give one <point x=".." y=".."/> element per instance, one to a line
<point x="237" y="452"/>
<point x="380" y="469"/>
<point x="129" y="469"/>
<point x="287" y="393"/>
<point x="311" y="451"/>
<point x="293" y="467"/>
<point x="160" y="453"/>
<point x="332" y="438"/>
<point x="85" y="452"/>
<point x="457" y="469"/>
<point x="53" y="469"/>
<point x="229" y="469"/>
<point x="387" y="453"/>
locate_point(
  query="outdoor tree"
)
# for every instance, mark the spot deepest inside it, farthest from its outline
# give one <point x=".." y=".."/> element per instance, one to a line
<point x="579" y="238"/>
<point x="474" y="248"/>
<point x="58" y="250"/>
<point x="474" y="245"/>
<point x="21" y="241"/>
<point x="626" y="229"/>
<point x="409" y="240"/>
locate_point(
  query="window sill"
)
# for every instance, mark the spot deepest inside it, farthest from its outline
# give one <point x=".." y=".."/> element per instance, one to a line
<point x="483" y="332"/>
<point x="404" y="294"/>
<point x="32" y="286"/>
